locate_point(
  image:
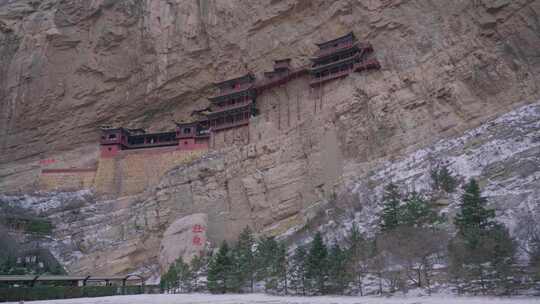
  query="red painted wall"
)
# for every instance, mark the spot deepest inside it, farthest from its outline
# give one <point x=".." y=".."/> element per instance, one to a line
<point x="109" y="150"/>
<point x="192" y="144"/>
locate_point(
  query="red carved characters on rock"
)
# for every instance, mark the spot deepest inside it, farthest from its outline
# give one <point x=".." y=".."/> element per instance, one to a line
<point x="197" y="240"/>
<point x="197" y="228"/>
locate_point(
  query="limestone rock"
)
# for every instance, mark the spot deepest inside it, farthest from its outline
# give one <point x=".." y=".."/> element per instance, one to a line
<point x="67" y="67"/>
<point x="185" y="237"/>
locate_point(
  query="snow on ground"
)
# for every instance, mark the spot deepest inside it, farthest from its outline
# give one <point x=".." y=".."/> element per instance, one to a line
<point x="267" y="299"/>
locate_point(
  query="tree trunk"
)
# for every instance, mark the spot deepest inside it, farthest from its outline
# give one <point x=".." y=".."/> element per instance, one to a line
<point x="360" y="287"/>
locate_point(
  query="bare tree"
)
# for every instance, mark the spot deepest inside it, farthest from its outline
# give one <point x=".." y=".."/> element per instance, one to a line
<point x="415" y="251"/>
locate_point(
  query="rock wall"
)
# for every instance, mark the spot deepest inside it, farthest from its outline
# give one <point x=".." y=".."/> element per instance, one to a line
<point x="66" y="180"/>
<point x="134" y="171"/>
<point x="71" y="66"/>
<point x="278" y="191"/>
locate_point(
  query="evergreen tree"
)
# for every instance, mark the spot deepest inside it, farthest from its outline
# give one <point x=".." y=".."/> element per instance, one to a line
<point x="482" y="253"/>
<point x="359" y="253"/>
<point x="185" y="275"/>
<point x="338" y="279"/>
<point x="391" y="207"/>
<point x="298" y="271"/>
<point x="316" y="265"/>
<point x="416" y="212"/>
<point x="246" y="258"/>
<point x="219" y="270"/>
<point x="198" y="267"/>
<point x="279" y="269"/>
<point x="169" y="281"/>
<point x="443" y="179"/>
<point x="534" y="259"/>
<point x="271" y="264"/>
<point x="473" y="215"/>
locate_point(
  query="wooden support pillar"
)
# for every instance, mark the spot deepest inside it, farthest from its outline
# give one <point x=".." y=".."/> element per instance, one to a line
<point x="298" y="105"/>
<point x="279" y="112"/>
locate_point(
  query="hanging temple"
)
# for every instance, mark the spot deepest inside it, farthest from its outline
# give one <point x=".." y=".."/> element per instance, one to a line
<point x="235" y="103"/>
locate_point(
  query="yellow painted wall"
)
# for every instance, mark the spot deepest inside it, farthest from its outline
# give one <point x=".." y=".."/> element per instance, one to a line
<point x="133" y="171"/>
<point x="66" y="181"/>
<point x="130" y="172"/>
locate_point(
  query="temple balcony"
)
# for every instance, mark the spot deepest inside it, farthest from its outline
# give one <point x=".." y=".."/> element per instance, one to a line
<point x="153" y="145"/>
<point x="220" y="109"/>
<point x="230" y="125"/>
<point x="343" y="46"/>
<point x="330" y="76"/>
<point x="236" y="89"/>
<point x="358" y="67"/>
<point x="279" y="79"/>
<point x="370" y="64"/>
<point x="282" y="65"/>
<point x="339" y="62"/>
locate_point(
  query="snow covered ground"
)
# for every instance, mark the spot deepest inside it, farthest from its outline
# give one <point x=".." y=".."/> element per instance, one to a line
<point x="266" y="299"/>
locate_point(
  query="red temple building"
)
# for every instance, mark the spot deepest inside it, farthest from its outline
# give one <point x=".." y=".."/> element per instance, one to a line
<point x="282" y="73"/>
<point x="339" y="57"/>
<point x="193" y="135"/>
<point x="116" y="139"/>
<point x="234" y="105"/>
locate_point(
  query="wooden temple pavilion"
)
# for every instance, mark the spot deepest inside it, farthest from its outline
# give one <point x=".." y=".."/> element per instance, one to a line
<point x="339" y="57"/>
<point x="283" y="72"/>
<point x="116" y="139"/>
<point x="193" y="135"/>
<point x="234" y="105"/>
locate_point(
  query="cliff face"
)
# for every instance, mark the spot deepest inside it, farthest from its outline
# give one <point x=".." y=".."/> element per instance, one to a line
<point x="69" y="66"/>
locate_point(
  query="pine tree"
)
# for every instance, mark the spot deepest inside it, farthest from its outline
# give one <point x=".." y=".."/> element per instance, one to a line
<point x="338" y="278"/>
<point x="359" y="253"/>
<point x="198" y="266"/>
<point x="482" y="251"/>
<point x="473" y="215"/>
<point x="169" y="281"/>
<point x="219" y="270"/>
<point x="316" y="265"/>
<point x="298" y="271"/>
<point x="280" y="269"/>
<point x="185" y="275"/>
<point x="391" y="207"/>
<point x="269" y="258"/>
<point x="443" y="179"/>
<point x="534" y="259"/>
<point x="246" y="258"/>
<point x="416" y="212"/>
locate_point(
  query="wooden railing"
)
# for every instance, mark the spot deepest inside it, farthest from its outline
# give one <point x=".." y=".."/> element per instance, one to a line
<point x="282" y="79"/>
<point x="367" y="65"/>
<point x="154" y="144"/>
<point x="233" y="106"/>
<point x="322" y="66"/>
<point x="230" y="125"/>
<point x="366" y="46"/>
<point x="235" y="89"/>
<point x="358" y="67"/>
<point x="328" y="77"/>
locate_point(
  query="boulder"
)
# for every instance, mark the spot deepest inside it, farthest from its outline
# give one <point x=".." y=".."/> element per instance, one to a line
<point x="185" y="237"/>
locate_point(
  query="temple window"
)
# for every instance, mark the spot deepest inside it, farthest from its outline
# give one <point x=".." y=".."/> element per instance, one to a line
<point x="187" y="130"/>
<point x="112" y="136"/>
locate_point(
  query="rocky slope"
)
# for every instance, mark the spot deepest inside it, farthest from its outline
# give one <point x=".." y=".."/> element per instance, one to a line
<point x="271" y="192"/>
<point x="448" y="67"/>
